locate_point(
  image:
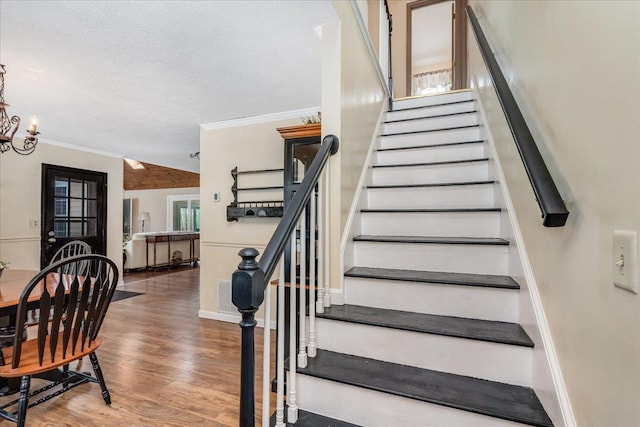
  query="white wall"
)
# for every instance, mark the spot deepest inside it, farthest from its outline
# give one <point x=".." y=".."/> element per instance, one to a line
<point x="20" y="200"/>
<point x="248" y="147"/>
<point x="574" y="70"/>
<point x="352" y="100"/>
<point x="154" y="202"/>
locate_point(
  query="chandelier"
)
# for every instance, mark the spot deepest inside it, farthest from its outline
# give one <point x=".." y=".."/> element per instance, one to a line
<point x="9" y="127"/>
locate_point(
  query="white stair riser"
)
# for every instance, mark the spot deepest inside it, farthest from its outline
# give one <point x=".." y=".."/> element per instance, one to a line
<point x="456" y="224"/>
<point x="433" y="174"/>
<point x="444" y="122"/>
<point x="434" y="154"/>
<point x="479" y="359"/>
<point x="480" y="259"/>
<point x="459" y="196"/>
<point x="373" y="408"/>
<point x="475" y="302"/>
<point x="435" y="110"/>
<point x="427" y="138"/>
<point x="424" y="101"/>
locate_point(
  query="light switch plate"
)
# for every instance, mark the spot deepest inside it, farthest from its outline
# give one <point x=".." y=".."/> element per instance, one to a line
<point x="216" y="197"/>
<point x="625" y="260"/>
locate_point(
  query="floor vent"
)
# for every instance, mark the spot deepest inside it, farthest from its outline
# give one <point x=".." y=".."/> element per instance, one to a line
<point x="224" y="298"/>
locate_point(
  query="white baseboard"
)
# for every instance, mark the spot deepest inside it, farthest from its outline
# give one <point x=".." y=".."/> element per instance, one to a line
<point x="337" y="296"/>
<point x="229" y="318"/>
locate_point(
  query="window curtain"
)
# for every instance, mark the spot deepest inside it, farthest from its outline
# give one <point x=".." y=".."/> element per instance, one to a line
<point x="432" y="82"/>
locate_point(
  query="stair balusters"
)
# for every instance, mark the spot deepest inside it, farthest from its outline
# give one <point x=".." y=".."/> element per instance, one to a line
<point x="252" y="277"/>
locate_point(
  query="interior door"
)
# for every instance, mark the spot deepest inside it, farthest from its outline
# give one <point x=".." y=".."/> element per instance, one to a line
<point x="74" y="207"/>
<point x="436" y="45"/>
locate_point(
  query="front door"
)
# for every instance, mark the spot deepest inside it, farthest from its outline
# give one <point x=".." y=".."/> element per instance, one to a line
<point x="74" y="207"/>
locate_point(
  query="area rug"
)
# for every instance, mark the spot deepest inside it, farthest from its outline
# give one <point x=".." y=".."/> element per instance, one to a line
<point x="120" y="295"/>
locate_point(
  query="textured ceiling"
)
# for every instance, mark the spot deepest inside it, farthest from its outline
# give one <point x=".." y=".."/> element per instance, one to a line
<point x="136" y="78"/>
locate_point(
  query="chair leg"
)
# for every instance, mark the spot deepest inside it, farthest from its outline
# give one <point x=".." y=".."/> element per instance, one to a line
<point x="65" y="375"/>
<point x="23" y="403"/>
<point x="98" y="372"/>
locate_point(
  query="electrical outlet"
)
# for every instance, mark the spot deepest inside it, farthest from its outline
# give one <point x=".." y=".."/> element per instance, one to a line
<point x="625" y="260"/>
<point x="34" y="223"/>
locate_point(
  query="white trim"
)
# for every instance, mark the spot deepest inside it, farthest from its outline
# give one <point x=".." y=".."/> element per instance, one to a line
<point x="20" y="239"/>
<point x="79" y="148"/>
<point x="265" y="118"/>
<point x="538" y="309"/>
<point x="232" y="245"/>
<point x="364" y="32"/>
<point x="229" y="318"/>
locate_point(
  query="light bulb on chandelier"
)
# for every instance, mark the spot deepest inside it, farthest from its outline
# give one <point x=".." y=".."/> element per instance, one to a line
<point x="9" y="127"/>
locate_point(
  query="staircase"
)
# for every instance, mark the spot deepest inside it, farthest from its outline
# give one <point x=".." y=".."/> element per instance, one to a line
<point x="428" y="335"/>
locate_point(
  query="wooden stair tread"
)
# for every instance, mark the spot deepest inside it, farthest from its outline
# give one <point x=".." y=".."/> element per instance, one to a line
<point x="417" y="147"/>
<point x="460" y="327"/>
<point x="505" y="401"/>
<point x="434" y="239"/>
<point x="460" y="113"/>
<point x="429" y="106"/>
<point x="431" y="130"/>
<point x="445" y="162"/>
<point x="308" y="419"/>
<point x="440" y="184"/>
<point x="429" y="210"/>
<point x="465" y="279"/>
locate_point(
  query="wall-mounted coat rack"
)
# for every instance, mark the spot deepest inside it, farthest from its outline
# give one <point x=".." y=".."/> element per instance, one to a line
<point x="253" y="208"/>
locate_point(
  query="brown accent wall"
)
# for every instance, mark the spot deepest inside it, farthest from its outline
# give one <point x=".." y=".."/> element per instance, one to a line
<point x="154" y="177"/>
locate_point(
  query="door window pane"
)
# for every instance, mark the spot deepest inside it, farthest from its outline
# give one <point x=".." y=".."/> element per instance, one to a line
<point x="61" y="187"/>
<point x="75" y="229"/>
<point x="60" y="228"/>
<point x="76" y="188"/>
<point x="75" y="207"/>
<point x="92" y="228"/>
<point x="91" y="208"/>
<point x="91" y="189"/>
<point x="60" y="207"/>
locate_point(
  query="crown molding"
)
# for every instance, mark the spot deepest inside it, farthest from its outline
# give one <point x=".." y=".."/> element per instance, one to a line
<point x="78" y="147"/>
<point x="265" y="118"/>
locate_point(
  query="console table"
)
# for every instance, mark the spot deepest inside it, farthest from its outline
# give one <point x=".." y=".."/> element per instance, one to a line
<point x="155" y="238"/>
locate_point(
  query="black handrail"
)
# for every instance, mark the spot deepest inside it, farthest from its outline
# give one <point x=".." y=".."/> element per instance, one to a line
<point x="390" y="23"/>
<point x="554" y="211"/>
<point x="249" y="281"/>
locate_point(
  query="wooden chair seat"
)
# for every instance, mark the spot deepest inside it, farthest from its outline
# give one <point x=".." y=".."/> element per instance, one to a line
<point x="30" y="363"/>
<point x="76" y="293"/>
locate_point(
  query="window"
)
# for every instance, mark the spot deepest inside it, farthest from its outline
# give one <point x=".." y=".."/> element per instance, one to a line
<point x="75" y="207"/>
<point x="183" y="213"/>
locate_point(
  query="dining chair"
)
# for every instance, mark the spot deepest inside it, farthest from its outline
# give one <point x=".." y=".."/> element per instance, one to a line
<point x="78" y="303"/>
<point x="70" y="249"/>
<point x="73" y="248"/>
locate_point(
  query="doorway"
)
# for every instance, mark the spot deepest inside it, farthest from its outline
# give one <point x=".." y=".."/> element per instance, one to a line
<point x="436" y="46"/>
<point x="74" y="207"/>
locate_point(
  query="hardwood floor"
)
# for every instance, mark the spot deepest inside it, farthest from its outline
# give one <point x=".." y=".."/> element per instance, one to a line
<point x="163" y="365"/>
